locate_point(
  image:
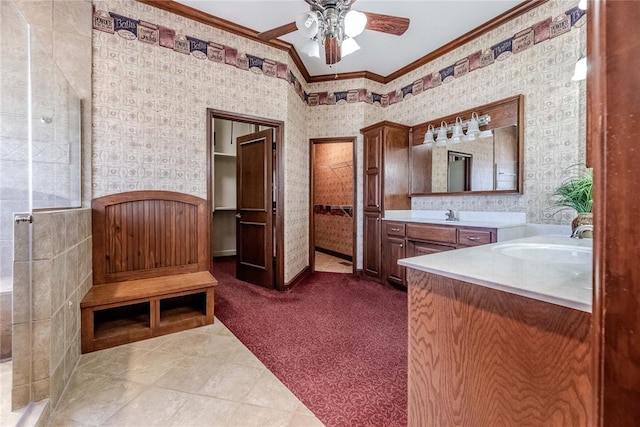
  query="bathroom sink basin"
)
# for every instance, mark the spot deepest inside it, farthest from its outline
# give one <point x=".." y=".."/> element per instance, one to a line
<point x="548" y="253"/>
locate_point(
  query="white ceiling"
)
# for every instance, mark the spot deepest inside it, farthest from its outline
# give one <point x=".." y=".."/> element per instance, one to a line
<point x="433" y="24"/>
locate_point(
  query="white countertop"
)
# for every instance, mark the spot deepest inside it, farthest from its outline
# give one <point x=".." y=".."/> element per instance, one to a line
<point x="567" y="285"/>
<point x="466" y="219"/>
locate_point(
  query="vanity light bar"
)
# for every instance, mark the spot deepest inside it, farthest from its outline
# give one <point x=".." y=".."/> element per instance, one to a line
<point x="483" y="120"/>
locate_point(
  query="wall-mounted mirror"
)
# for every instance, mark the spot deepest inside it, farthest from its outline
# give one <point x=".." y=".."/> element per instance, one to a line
<point x="486" y="158"/>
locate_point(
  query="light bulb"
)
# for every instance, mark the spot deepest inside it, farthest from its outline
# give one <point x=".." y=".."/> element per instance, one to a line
<point x="307" y="24"/>
<point x="441" y="139"/>
<point x="311" y="48"/>
<point x="354" y="23"/>
<point x="349" y="46"/>
<point x="428" y="136"/>
<point x="473" y="128"/>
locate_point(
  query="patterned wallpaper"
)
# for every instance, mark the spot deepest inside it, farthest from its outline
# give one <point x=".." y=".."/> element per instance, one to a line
<point x="149" y="109"/>
<point x="333" y="197"/>
<point x="546" y="28"/>
<point x="554" y="111"/>
<point x="149" y="103"/>
<point x="296" y="191"/>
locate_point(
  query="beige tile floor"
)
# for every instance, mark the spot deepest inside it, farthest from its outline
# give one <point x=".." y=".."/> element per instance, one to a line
<point x="332" y="264"/>
<point x="24" y="417"/>
<point x="201" y="377"/>
<point x="5" y="391"/>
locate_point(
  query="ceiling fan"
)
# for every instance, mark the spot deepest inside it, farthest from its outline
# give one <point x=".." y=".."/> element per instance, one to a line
<point x="334" y="24"/>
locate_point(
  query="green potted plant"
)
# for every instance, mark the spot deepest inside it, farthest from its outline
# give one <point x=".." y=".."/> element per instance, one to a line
<point x="576" y="193"/>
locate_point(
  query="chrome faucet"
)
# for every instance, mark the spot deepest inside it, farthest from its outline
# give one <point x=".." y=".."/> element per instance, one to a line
<point x="580" y="230"/>
<point x="451" y="215"/>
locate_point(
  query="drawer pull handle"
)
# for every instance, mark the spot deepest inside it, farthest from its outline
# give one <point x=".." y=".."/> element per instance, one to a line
<point x="475" y="239"/>
<point x="402" y="245"/>
<point x="395" y="229"/>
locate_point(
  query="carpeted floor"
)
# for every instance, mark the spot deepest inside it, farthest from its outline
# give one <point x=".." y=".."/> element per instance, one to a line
<point x="337" y="341"/>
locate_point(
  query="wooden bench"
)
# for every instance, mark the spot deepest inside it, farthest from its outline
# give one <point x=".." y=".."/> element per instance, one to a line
<point x="151" y="268"/>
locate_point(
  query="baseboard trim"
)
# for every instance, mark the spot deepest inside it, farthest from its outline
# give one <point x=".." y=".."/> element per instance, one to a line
<point x="306" y="272"/>
<point x="334" y="253"/>
<point x="226" y="252"/>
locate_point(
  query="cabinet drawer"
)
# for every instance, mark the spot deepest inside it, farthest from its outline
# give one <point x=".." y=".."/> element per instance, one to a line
<point x="473" y="237"/>
<point x="431" y="232"/>
<point x="423" y="248"/>
<point x="394" y="229"/>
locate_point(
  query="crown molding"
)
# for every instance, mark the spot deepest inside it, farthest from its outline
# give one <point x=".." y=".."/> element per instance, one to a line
<point x="205" y="18"/>
<point x="231" y="27"/>
<point x="503" y="18"/>
<point x="347" y="76"/>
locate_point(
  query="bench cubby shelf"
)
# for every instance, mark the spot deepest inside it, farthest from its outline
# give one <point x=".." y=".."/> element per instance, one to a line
<point x="151" y="268"/>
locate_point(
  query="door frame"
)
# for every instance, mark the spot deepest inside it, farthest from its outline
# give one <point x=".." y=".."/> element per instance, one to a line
<point x="312" y="234"/>
<point x="278" y="166"/>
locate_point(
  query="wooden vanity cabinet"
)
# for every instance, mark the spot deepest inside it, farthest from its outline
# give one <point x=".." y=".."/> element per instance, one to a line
<point x="482" y="357"/>
<point x="404" y="240"/>
<point x="371" y="255"/>
<point x="386" y="185"/>
<point x="394" y="248"/>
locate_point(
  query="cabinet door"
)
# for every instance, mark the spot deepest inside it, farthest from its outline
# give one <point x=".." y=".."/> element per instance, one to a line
<point x="372" y="169"/>
<point x="394" y="250"/>
<point x="371" y="254"/>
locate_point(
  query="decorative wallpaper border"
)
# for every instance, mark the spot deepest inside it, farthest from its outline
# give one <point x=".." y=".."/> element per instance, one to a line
<point x="147" y="32"/>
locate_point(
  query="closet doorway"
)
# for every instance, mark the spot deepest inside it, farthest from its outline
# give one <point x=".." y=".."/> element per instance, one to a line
<point x="332" y="197"/>
<point x="244" y="176"/>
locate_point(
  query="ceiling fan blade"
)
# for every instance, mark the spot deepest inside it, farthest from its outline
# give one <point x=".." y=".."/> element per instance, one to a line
<point x="331" y="50"/>
<point x="274" y="33"/>
<point x="386" y="23"/>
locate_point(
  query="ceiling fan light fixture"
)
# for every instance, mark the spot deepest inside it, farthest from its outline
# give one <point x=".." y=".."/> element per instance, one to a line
<point x="307" y="24"/>
<point x="354" y="23"/>
<point x="311" y="48"/>
<point x="349" y="46"/>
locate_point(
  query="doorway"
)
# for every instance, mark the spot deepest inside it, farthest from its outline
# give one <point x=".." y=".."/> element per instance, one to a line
<point x="332" y="198"/>
<point x="459" y="171"/>
<point x="244" y="175"/>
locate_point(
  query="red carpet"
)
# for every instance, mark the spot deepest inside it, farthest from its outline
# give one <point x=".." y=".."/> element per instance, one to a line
<point x="337" y="341"/>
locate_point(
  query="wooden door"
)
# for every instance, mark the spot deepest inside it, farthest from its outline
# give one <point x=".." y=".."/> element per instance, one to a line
<point x="254" y="223"/>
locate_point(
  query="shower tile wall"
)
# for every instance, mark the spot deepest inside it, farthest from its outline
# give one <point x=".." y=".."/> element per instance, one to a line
<point x="62" y="275"/>
<point x="333" y="197"/>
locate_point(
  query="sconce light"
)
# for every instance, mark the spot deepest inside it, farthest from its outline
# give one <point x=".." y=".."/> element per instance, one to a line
<point x="441" y="139"/>
<point x="473" y="127"/>
<point x="428" y="136"/>
<point x="580" y="72"/>
<point x="457" y="131"/>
